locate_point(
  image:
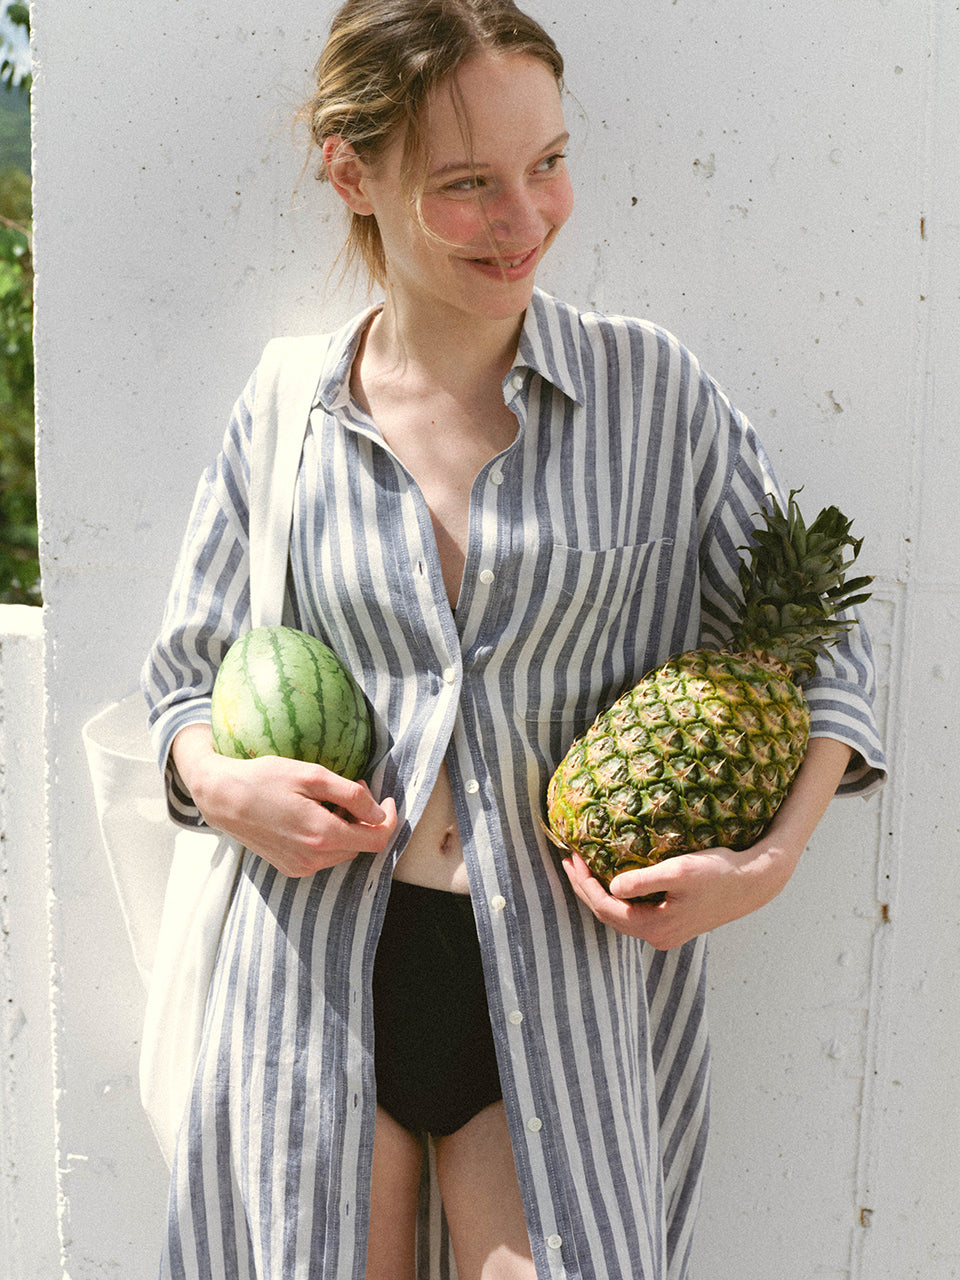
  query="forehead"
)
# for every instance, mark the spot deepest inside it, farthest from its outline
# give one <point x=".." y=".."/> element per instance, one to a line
<point x="493" y="102"/>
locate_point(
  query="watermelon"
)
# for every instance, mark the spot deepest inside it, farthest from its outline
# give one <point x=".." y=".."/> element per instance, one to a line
<point x="280" y="692"/>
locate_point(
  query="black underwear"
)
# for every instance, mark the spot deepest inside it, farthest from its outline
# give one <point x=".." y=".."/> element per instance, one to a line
<point x="435" y="1060"/>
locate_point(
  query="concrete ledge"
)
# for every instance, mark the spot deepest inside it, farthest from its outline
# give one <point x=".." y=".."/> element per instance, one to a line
<point x="28" y="1207"/>
<point x="20" y="621"/>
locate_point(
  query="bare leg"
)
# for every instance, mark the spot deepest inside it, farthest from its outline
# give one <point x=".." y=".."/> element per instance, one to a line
<point x="481" y="1197"/>
<point x="391" y="1244"/>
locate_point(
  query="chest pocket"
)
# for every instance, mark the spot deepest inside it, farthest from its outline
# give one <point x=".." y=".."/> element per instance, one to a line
<point x="592" y="627"/>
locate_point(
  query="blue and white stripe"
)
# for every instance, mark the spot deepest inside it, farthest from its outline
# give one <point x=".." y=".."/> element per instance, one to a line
<point x="602" y="541"/>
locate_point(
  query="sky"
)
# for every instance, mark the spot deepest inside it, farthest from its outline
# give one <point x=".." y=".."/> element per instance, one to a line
<point x="15" y="40"/>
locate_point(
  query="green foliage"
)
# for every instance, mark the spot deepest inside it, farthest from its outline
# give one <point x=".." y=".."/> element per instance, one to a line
<point x="14" y="130"/>
<point x="19" y="564"/>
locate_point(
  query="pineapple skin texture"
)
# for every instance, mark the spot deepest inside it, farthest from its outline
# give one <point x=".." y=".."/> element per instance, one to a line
<point x="699" y="754"/>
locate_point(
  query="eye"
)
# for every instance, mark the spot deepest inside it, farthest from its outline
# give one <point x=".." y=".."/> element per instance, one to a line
<point x="472" y="183"/>
<point x="549" y="163"/>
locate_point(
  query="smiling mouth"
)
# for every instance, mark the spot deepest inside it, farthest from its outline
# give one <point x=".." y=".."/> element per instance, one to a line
<point x="507" y="263"/>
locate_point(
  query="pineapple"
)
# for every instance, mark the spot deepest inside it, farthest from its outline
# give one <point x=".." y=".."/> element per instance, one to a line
<point x="703" y="750"/>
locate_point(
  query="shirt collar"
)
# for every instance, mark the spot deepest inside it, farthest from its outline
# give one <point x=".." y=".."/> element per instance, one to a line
<point x="549" y="345"/>
<point x="333" y="391"/>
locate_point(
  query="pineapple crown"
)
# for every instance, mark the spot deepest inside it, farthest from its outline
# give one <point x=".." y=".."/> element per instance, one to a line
<point x="794" y="585"/>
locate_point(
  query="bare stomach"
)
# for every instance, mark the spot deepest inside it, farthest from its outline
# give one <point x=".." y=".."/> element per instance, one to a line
<point x="434" y="855"/>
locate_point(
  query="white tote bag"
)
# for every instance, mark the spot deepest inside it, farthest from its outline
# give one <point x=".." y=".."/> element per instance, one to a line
<point x="174" y="885"/>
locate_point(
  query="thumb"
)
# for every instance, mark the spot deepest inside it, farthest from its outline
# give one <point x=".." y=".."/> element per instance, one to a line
<point x="643" y="882"/>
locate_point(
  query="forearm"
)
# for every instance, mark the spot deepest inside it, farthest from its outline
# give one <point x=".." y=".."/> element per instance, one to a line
<point x="220" y="789"/>
<point x="190" y="752"/>
<point x="778" y="851"/>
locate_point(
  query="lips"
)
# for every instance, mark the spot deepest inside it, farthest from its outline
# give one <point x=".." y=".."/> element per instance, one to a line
<point x="508" y="263"/>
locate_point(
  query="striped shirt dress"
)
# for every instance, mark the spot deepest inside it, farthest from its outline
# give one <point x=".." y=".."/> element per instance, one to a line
<point x="603" y="540"/>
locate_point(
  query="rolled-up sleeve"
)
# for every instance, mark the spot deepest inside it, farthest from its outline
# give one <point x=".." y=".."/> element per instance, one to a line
<point x="841" y="694"/>
<point x="208" y="605"/>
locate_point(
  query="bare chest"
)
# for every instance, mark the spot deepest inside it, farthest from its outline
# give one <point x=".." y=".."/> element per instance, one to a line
<point x="444" y="446"/>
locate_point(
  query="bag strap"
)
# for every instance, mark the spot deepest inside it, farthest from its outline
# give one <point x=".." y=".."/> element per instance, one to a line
<point x="286" y="385"/>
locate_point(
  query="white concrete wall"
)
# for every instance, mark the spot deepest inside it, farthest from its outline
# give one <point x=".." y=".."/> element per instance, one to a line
<point x="776" y="183"/>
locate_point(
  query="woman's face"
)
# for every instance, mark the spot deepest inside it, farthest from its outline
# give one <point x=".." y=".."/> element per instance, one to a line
<point x="493" y="202"/>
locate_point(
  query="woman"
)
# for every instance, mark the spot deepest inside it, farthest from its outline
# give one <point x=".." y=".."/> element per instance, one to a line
<point x="506" y="512"/>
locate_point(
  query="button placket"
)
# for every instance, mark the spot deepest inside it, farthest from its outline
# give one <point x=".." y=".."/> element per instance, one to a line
<point x="487" y="576"/>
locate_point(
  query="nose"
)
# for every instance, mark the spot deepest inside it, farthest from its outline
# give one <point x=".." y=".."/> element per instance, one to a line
<point x="515" y="215"/>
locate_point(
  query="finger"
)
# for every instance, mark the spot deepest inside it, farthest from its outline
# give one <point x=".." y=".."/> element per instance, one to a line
<point x="338" y="832"/>
<point x="589" y="890"/>
<point x="584" y="882"/>
<point x="353" y="797"/>
<point x="644" y="881"/>
<point x="621" y="915"/>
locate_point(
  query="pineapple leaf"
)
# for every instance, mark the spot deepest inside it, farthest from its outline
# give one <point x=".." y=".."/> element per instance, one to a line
<point x="793" y="581"/>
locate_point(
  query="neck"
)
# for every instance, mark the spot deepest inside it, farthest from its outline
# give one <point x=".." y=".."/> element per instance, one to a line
<point x="447" y="350"/>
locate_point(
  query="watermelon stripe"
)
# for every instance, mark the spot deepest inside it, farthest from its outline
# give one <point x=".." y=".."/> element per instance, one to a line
<point x="252" y="641"/>
<point x="280" y="663"/>
<point x="314" y="658"/>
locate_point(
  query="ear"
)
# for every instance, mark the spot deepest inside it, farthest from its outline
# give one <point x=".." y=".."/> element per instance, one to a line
<point x="347" y="174"/>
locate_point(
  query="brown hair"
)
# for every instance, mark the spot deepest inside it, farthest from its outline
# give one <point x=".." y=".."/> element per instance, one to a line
<point x="381" y="61"/>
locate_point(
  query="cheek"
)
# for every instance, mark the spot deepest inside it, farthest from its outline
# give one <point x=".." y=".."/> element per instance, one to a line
<point x="456" y="223"/>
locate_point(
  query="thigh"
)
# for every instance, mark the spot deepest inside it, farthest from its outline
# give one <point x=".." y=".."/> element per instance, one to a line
<point x="394" y="1191"/>
<point x="481" y="1199"/>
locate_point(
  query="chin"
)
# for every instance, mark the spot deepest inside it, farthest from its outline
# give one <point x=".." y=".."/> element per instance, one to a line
<point x="512" y="302"/>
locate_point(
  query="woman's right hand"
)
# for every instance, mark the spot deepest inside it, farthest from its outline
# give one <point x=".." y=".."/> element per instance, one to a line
<point x="299" y="817"/>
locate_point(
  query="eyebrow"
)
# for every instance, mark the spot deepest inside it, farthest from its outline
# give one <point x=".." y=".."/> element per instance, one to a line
<point x="460" y="166"/>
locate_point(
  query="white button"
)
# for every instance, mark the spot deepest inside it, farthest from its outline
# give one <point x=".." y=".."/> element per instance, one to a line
<point x="498" y="902"/>
<point x="472" y="787"/>
<point x="496" y="477"/>
<point x="554" y="1242"/>
<point x="486" y="576"/>
<point x="534" y="1124"/>
<point x="449" y="675"/>
<point x="515" y="1016"/>
<point x="516" y="381"/>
